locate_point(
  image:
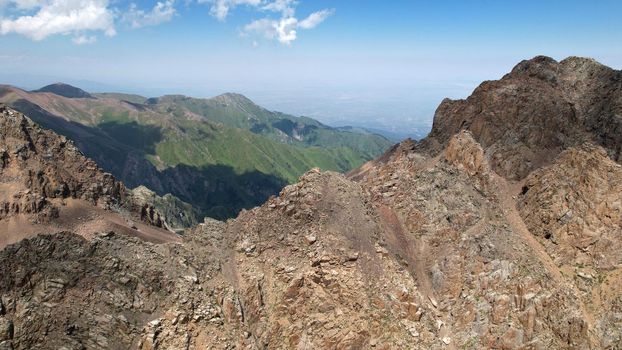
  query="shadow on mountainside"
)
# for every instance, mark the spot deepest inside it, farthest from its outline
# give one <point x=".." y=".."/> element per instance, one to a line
<point x="136" y="136"/>
<point x="217" y="191"/>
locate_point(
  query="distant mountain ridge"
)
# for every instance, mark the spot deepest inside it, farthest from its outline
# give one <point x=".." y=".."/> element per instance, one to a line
<point x="236" y="110"/>
<point x="221" y="154"/>
<point x="65" y="90"/>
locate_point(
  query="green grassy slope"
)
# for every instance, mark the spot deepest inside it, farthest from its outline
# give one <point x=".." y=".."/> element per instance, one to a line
<point x="238" y="111"/>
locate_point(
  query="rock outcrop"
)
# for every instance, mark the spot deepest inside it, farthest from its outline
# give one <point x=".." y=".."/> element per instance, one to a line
<point x="539" y="109"/>
<point x="175" y="214"/>
<point x="39" y="166"/>
<point x="576" y="205"/>
<point x="44" y="174"/>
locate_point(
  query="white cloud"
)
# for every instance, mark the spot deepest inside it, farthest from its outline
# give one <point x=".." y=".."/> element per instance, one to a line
<point x="84" y="39"/>
<point x="220" y="8"/>
<point x="285" y="7"/>
<point x="82" y="19"/>
<point x="60" y="17"/>
<point x="161" y="12"/>
<point x="285" y="29"/>
<point x="315" y="19"/>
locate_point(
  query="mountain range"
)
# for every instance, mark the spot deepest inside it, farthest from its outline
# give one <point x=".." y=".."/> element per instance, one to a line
<point x="220" y="155"/>
<point x="500" y="230"/>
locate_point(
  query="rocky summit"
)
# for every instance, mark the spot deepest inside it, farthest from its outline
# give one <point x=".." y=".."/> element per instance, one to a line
<point x="535" y="112"/>
<point x="501" y="230"/>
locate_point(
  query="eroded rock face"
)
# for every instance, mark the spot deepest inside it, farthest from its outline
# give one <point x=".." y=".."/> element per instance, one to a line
<point x="39" y="169"/>
<point x="467" y="250"/>
<point x="43" y="166"/>
<point x="542" y="107"/>
<point x="575" y="207"/>
<point x="463" y="151"/>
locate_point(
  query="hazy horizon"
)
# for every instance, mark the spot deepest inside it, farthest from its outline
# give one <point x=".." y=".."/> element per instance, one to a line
<point x="342" y="62"/>
<point x="386" y="108"/>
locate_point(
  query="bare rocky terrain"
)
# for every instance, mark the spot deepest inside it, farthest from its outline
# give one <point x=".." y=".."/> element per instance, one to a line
<point x="501" y="230"/>
<point x="47" y="185"/>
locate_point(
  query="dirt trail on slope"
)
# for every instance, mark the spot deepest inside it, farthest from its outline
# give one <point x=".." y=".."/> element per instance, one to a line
<point x="413" y="251"/>
<point x="506" y="193"/>
<point x="82" y="218"/>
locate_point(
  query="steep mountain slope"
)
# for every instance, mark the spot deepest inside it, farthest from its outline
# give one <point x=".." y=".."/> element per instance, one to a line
<point x="542" y="107"/>
<point x="47" y="185"/>
<point x="431" y="246"/>
<point x="209" y="160"/>
<point x="238" y="111"/>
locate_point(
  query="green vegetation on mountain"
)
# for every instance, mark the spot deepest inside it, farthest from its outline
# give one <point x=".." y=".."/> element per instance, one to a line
<point x="238" y="111"/>
<point x="221" y="154"/>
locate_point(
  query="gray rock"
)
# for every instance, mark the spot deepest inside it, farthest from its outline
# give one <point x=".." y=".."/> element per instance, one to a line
<point x="6" y="329"/>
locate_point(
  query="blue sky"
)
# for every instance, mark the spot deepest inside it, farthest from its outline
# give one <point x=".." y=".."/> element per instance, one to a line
<point x="386" y="62"/>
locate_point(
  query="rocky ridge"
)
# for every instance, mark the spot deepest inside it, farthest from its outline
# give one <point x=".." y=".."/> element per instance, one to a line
<point x="54" y="168"/>
<point x="46" y="179"/>
<point x="533" y="113"/>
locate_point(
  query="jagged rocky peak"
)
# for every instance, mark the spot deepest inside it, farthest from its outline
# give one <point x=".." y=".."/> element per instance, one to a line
<point x="542" y="67"/>
<point x="46" y="179"/>
<point x="573" y="67"/>
<point x="65" y="90"/>
<point x="51" y="166"/>
<point x="542" y="107"/>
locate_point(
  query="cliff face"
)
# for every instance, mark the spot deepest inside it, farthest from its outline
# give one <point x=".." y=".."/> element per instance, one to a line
<point x="501" y="230"/>
<point x="47" y="185"/>
<point x="529" y="116"/>
<point x="43" y="166"/>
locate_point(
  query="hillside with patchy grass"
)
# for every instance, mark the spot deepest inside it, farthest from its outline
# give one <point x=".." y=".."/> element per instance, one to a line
<point x="220" y="155"/>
